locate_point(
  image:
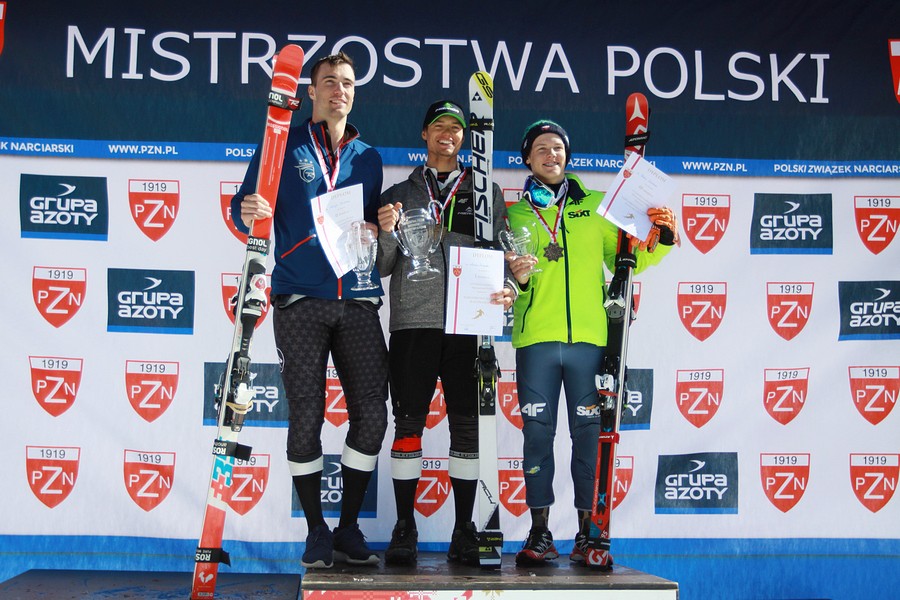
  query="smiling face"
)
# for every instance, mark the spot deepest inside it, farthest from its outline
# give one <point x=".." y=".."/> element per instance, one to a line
<point x="443" y="139"/>
<point x="547" y="159"/>
<point x="332" y="92"/>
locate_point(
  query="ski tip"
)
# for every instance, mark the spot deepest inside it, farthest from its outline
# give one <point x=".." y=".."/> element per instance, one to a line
<point x="290" y="59"/>
<point x="481" y="88"/>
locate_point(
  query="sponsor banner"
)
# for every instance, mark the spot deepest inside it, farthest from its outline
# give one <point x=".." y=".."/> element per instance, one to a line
<point x="638" y="405"/>
<point x="870" y="310"/>
<point x="270" y="407"/>
<point x="54" y="382"/>
<point x="151" y="386"/>
<point x="873" y="478"/>
<point x="791" y="224"/>
<point x="700" y="483"/>
<point x="154" y="205"/>
<point x="149" y="477"/>
<point x="63" y="207"/>
<point x="874" y="391"/>
<point x="784" y="478"/>
<point x="784" y="393"/>
<point x="52" y="472"/>
<point x="58" y="292"/>
<point x="877" y="219"/>
<point x="150" y="301"/>
<point x="332" y="492"/>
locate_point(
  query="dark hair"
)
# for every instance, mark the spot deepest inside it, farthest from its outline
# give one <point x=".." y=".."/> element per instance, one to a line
<point x="333" y="60"/>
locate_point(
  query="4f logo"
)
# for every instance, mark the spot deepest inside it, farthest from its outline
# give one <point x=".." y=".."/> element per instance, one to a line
<point x="894" y="53"/>
<point x="788" y="306"/>
<point x="874" y="478"/>
<point x="248" y="483"/>
<point x="227" y="189"/>
<point x="699" y="394"/>
<point x="877" y="219"/>
<point x="875" y="391"/>
<point x="52" y="472"/>
<point x="149" y="477"/>
<point x="335" y="403"/>
<point x="512" y="486"/>
<point x="433" y="487"/>
<point x="150" y="386"/>
<point x="508" y="397"/>
<point x="784" y="393"/>
<point x="705" y="219"/>
<point x="437" y="410"/>
<point x="154" y="205"/>
<point x="784" y="478"/>
<point x="230" y="282"/>
<point x="54" y="382"/>
<point x="701" y="307"/>
<point x="58" y="292"/>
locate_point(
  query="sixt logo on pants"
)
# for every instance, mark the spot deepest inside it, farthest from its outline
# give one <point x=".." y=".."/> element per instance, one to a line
<point x="63" y="207"/>
<point x="700" y="483"/>
<point x="870" y="310"/>
<point x="332" y="492"/>
<point x="791" y="224"/>
<point x="150" y="301"/>
<point x="270" y="407"/>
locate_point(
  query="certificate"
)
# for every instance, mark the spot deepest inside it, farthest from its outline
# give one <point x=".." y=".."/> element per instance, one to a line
<point x="636" y="187"/>
<point x="475" y="274"/>
<point x="333" y="213"/>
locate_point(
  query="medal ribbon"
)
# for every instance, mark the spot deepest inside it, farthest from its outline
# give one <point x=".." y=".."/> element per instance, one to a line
<point x="559" y="213"/>
<point x="451" y="196"/>
<point x="330" y="180"/>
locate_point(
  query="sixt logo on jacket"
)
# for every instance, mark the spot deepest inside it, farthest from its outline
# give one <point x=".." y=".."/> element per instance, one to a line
<point x="638" y="406"/>
<point x="332" y="492"/>
<point x="700" y="483"/>
<point x="870" y="310"/>
<point x="150" y="301"/>
<point x="791" y="224"/>
<point x="269" y="399"/>
<point x="63" y="207"/>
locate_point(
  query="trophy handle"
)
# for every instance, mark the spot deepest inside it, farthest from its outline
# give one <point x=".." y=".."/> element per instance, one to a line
<point x="439" y="226"/>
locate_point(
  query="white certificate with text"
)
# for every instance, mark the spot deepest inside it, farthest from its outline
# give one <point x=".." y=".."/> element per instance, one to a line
<point x="333" y="213"/>
<point x="475" y="274"/>
<point x="637" y="186"/>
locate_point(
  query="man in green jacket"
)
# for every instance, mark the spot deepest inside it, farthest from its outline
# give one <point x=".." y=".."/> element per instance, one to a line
<point x="559" y="327"/>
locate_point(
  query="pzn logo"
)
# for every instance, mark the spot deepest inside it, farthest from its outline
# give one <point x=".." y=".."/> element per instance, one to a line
<point x="705" y="219"/>
<point x="154" y="205"/>
<point x="58" y="292"/>
<point x="701" y="307"/>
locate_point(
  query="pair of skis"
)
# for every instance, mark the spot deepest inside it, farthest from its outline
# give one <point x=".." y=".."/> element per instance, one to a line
<point x="234" y="396"/>
<point x="481" y="126"/>
<point x="611" y="380"/>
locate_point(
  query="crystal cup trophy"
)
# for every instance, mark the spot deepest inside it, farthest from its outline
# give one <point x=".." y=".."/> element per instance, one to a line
<point x="419" y="234"/>
<point x="362" y="245"/>
<point x="521" y="241"/>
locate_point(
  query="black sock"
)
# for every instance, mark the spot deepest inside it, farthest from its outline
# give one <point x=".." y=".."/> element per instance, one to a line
<point x="355" y="483"/>
<point x="540" y="517"/>
<point x="584" y="521"/>
<point x="405" y="500"/>
<point x="309" y="490"/>
<point x="464" y="500"/>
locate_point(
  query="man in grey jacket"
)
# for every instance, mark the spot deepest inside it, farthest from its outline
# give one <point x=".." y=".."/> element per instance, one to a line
<point x="419" y="350"/>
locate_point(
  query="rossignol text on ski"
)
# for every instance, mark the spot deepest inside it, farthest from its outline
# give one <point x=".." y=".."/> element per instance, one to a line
<point x="234" y="396"/>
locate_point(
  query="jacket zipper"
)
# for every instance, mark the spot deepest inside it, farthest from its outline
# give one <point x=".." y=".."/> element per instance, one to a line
<point x="565" y="257"/>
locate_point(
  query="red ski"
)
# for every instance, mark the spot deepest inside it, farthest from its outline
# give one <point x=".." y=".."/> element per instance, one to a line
<point x="611" y="380"/>
<point x="234" y="396"/>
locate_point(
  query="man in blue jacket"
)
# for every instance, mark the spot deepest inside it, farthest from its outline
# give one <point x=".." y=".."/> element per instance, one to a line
<point x="317" y="313"/>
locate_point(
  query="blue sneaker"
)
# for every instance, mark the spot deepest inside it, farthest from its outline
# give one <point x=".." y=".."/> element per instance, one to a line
<point x="319" y="552"/>
<point x="350" y="547"/>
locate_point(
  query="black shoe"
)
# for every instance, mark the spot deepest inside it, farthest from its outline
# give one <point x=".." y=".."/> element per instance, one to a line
<point x="538" y="548"/>
<point x="350" y="547"/>
<point x="402" y="549"/>
<point x="464" y="545"/>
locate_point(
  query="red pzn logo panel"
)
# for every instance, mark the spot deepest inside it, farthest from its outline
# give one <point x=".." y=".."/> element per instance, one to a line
<point x="705" y="218"/>
<point x="698" y="394"/>
<point x="154" y="205"/>
<point x="58" y="292"/>
<point x="437" y="410"/>
<point x="788" y="306"/>
<point x="249" y="479"/>
<point x="52" y="472"/>
<point x="894" y="55"/>
<point x="784" y="478"/>
<point x="2" y="23"/>
<point x="55" y="381"/>
<point x="784" y="393"/>
<point x="512" y="486"/>
<point x="508" y="397"/>
<point x="149" y="477"/>
<point x="701" y="307"/>
<point x="873" y="478"/>
<point x="230" y="283"/>
<point x="150" y="386"/>
<point x="874" y="391"/>
<point x="623" y="475"/>
<point x="335" y="403"/>
<point x="433" y="488"/>
<point x="227" y="189"/>
<point x="877" y="220"/>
